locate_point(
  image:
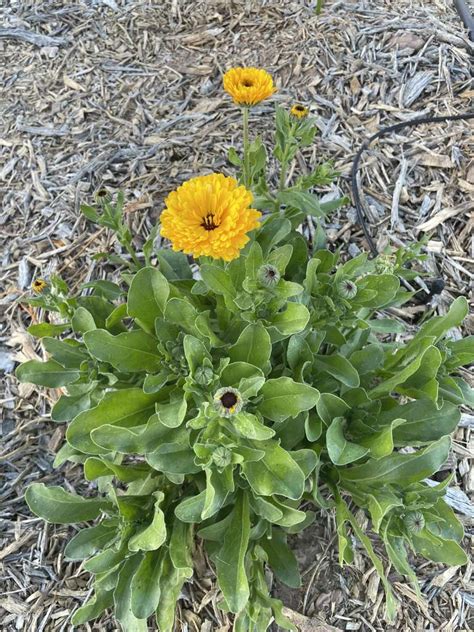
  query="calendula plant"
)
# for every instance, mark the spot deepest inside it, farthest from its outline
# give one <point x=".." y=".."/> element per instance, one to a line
<point x="225" y="397"/>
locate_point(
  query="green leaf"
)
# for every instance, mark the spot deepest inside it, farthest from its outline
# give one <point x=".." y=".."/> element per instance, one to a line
<point x="171" y="583"/>
<point x="253" y="261"/>
<point x="172" y="414"/>
<point x="174" y="265"/>
<point x="341" y="451"/>
<point x="217" y="280"/>
<point x="147" y="297"/>
<point x="181" y="546"/>
<point x="133" y="351"/>
<point x="123" y="596"/>
<point x="139" y="440"/>
<point x="47" y="329"/>
<point x="182" y="313"/>
<point x="307" y="203"/>
<point x="89" y="541"/>
<point x="276" y="473"/>
<point x="283" y="397"/>
<point x="438" y="549"/>
<point x="248" y="426"/>
<point x="195" y="352"/>
<point x="93" y="607"/>
<point x="280" y="257"/>
<point x="145" y="585"/>
<point x="293" y="320"/>
<point x="272" y="232"/>
<point x="66" y="408"/>
<point x="424" y="422"/>
<point x="230" y="561"/>
<point x="401" y="469"/>
<point x="339" y="367"/>
<point x="95" y="468"/>
<point x="174" y="458"/>
<point x="235" y="372"/>
<point x="126" y="408"/>
<point x="190" y="509"/>
<point x="153" y="535"/>
<point x="56" y="505"/>
<point x="217" y="490"/>
<point x="281" y="558"/>
<point x="253" y="346"/>
<point x="82" y="320"/>
<point x="330" y="406"/>
<point x="50" y="373"/>
<point x="69" y="353"/>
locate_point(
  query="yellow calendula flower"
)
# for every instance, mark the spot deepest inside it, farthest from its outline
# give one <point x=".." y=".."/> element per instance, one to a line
<point x="299" y="111"/>
<point x="248" y="86"/>
<point x="209" y="216"/>
<point x="38" y="286"/>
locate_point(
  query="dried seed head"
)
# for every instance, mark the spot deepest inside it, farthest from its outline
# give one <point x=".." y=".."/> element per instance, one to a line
<point x="228" y="401"/>
<point x="347" y="289"/>
<point x="268" y="275"/>
<point x="414" y="521"/>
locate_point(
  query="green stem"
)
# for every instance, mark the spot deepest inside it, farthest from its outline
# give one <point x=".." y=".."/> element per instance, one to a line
<point x="284" y="167"/>
<point x="246" y="161"/>
<point x="132" y="254"/>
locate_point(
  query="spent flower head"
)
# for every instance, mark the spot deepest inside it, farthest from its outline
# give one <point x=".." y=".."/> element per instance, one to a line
<point x="228" y="401"/>
<point x="248" y="86"/>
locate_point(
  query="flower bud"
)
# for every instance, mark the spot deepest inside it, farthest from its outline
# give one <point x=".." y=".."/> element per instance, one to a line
<point x="268" y="275"/>
<point x="347" y="289"/>
<point x="299" y="111"/>
<point x="222" y="457"/>
<point x="414" y="521"/>
<point x="39" y="286"/>
<point x="203" y="375"/>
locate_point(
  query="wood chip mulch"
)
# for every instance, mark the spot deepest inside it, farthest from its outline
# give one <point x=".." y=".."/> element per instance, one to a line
<point x="127" y="94"/>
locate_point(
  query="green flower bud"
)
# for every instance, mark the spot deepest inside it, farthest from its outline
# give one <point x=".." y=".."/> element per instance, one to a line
<point x="347" y="289"/>
<point x="268" y="275"/>
<point x="222" y="457"/>
<point x="228" y="401"/>
<point x="203" y="375"/>
<point x="414" y="521"/>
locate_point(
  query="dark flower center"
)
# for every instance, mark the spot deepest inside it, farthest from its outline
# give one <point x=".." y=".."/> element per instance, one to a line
<point x="247" y="83"/>
<point x="102" y="193"/>
<point x="271" y="273"/>
<point x="208" y="222"/>
<point x="300" y="108"/>
<point x="229" y="399"/>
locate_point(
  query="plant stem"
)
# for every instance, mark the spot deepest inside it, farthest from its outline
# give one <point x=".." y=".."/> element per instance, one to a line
<point x="131" y="252"/>
<point x="284" y="166"/>
<point x="246" y="161"/>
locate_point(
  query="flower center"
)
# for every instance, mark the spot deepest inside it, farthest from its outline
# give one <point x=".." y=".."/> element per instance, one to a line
<point x="247" y="83"/>
<point x="208" y="222"/>
<point x="299" y="108"/>
<point x="229" y="399"/>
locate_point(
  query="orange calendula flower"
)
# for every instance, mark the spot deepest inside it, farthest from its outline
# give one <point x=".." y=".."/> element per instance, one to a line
<point x="248" y="86"/>
<point x="209" y="216"/>
<point x="299" y="111"/>
<point x="38" y="286"/>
